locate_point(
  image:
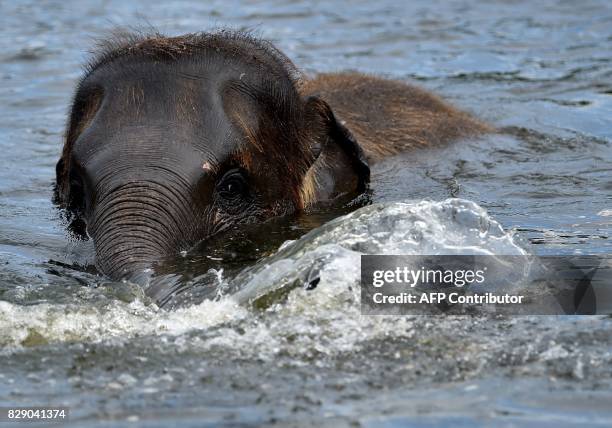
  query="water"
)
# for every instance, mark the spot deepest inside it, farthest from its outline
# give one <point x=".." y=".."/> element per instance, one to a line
<point x="541" y="73"/>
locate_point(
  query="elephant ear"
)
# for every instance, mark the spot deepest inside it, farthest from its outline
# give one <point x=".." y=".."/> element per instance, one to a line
<point x="339" y="165"/>
<point x="61" y="190"/>
<point x="67" y="196"/>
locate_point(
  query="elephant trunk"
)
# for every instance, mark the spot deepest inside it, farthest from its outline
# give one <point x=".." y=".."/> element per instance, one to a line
<point x="137" y="224"/>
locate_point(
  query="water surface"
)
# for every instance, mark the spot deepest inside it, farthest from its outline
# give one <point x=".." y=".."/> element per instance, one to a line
<point x="541" y="73"/>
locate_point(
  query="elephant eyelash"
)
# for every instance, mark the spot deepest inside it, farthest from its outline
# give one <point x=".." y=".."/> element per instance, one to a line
<point x="233" y="184"/>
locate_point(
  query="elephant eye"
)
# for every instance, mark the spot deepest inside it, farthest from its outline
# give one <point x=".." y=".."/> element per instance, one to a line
<point x="233" y="184"/>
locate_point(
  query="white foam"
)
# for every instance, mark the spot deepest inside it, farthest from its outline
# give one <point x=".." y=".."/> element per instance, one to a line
<point x="49" y="323"/>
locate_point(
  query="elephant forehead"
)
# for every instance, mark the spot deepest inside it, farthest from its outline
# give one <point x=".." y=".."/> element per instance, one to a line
<point x="155" y="144"/>
<point x="167" y="98"/>
<point x="161" y="114"/>
<point x="213" y="112"/>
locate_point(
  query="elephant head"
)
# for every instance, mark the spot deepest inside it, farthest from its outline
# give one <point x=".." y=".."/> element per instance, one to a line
<point x="171" y="140"/>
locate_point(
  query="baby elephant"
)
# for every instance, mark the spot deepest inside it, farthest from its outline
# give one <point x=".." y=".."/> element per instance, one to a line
<point x="173" y="139"/>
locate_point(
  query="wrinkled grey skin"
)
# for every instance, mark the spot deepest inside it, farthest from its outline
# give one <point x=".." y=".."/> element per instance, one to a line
<point x="172" y="140"/>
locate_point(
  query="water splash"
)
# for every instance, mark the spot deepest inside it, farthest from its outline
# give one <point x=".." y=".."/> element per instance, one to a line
<point x="274" y="300"/>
